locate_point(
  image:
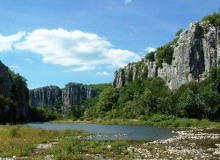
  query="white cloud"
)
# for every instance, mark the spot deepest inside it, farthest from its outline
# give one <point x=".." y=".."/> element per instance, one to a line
<point x="120" y="58"/>
<point x="80" y="50"/>
<point x="8" y="41"/>
<point x="102" y="73"/>
<point x="150" y="49"/>
<point x="85" y="51"/>
<point x="28" y="60"/>
<point x="59" y="46"/>
<point x="128" y="1"/>
<point x="83" y="68"/>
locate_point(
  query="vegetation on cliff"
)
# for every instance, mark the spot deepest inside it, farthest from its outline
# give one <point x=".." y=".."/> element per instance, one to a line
<point x="13" y="107"/>
<point x="145" y="98"/>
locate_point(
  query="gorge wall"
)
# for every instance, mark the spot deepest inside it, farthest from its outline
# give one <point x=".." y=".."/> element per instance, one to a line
<point x="195" y="52"/>
<point x="14" y="96"/>
<point x="45" y="96"/>
<point x="72" y="94"/>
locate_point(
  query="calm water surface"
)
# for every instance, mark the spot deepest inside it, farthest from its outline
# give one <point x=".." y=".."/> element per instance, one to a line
<point x="112" y="132"/>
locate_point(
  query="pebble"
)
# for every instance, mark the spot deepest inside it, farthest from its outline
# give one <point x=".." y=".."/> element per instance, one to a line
<point x="182" y="146"/>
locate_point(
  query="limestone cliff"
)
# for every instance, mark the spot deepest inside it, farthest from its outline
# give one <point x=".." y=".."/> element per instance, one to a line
<point x="195" y="52"/>
<point x="72" y="94"/>
<point x="14" y="96"/>
<point x="45" y="96"/>
<point x="5" y="81"/>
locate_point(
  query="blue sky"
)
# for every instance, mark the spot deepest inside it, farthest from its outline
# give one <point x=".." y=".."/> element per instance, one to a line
<point x="54" y="42"/>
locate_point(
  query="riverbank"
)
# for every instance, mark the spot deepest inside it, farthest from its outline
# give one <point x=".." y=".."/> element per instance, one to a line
<point x="157" y="120"/>
<point x="194" y="143"/>
<point x="22" y="142"/>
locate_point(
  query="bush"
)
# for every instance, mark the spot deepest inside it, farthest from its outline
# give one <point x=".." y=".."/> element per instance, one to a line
<point x="213" y="19"/>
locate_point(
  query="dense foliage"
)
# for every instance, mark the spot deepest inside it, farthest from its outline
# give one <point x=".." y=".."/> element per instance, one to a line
<point x="7" y="110"/>
<point x="213" y="19"/>
<point x="163" y="53"/>
<point x="145" y="97"/>
<point x="12" y="107"/>
<point x="40" y="114"/>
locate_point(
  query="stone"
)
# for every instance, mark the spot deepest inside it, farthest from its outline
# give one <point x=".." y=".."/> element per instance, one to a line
<point x="44" y="97"/>
<point x="195" y="53"/>
<point x="73" y="94"/>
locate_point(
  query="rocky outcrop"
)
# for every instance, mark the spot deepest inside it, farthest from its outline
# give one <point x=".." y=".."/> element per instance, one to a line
<point x="5" y="81"/>
<point x="14" y="96"/>
<point x="195" y="52"/>
<point x="73" y="94"/>
<point x="45" y="96"/>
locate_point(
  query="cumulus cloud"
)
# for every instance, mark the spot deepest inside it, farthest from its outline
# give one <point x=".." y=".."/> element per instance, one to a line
<point x="7" y="42"/>
<point x="83" y="68"/>
<point x="80" y="50"/>
<point x="128" y="1"/>
<point x="59" y="46"/>
<point x="150" y="49"/>
<point x="102" y="73"/>
<point x="119" y="57"/>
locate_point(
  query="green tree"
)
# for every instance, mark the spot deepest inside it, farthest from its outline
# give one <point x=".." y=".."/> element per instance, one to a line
<point x="215" y="79"/>
<point x="165" y="105"/>
<point x="213" y="19"/>
<point x="76" y="112"/>
<point x="191" y="105"/>
<point x="179" y="32"/>
<point x="107" y="100"/>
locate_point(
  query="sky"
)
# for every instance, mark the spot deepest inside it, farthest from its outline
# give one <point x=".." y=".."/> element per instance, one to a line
<point x="54" y="42"/>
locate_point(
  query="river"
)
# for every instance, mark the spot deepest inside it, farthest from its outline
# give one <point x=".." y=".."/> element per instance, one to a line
<point x="112" y="132"/>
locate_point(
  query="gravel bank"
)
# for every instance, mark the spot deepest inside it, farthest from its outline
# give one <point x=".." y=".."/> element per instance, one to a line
<point x="197" y="144"/>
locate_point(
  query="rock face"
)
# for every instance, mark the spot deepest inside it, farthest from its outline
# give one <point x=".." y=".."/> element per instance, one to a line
<point x="195" y="53"/>
<point x="13" y="88"/>
<point x="45" y="96"/>
<point x="72" y="94"/>
<point x="5" y="81"/>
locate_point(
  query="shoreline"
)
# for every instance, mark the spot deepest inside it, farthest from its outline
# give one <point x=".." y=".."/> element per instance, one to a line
<point x="195" y="143"/>
<point x="172" y="123"/>
<point x="187" y="143"/>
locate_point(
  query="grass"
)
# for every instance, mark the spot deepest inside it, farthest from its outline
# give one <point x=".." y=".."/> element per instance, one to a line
<point x="21" y="140"/>
<point x="72" y="148"/>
